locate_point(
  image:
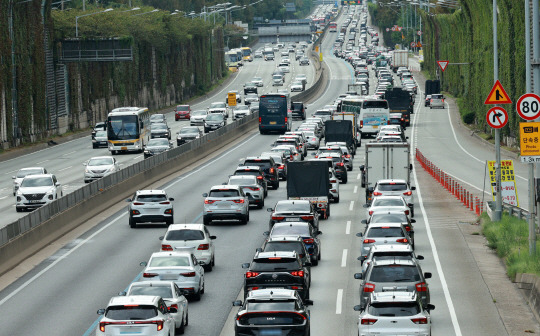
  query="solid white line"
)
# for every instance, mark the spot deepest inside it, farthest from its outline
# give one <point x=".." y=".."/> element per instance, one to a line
<point x="24" y="285"/>
<point x="339" y="301"/>
<point x="43" y="161"/>
<point x="64" y="168"/>
<point x="69" y="153"/>
<point x="351" y="206"/>
<point x="446" y="292"/>
<point x="355" y="189"/>
<point x="138" y="156"/>
<point x="358" y="176"/>
<point x="348" y="228"/>
<point x="344" y="258"/>
<point x="9" y="172"/>
<point x="1" y="198"/>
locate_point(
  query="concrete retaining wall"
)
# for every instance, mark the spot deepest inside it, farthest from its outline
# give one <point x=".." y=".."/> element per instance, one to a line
<point x="530" y="285"/>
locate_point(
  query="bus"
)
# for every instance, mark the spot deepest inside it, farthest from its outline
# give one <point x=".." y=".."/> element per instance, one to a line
<point x="247" y="54"/>
<point x="274" y="113"/>
<point x="332" y="26"/>
<point x="233" y="58"/>
<point x="374" y="113"/>
<point x="128" y="129"/>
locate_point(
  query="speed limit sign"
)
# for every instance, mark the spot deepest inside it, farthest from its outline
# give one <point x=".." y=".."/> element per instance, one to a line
<point x="387" y="29"/>
<point x="528" y="106"/>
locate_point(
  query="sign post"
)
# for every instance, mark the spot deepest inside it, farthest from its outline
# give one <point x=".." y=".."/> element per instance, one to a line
<point x="231" y="98"/>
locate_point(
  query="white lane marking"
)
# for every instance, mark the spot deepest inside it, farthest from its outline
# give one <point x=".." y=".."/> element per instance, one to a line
<point x="35" y="277"/>
<point x="344" y="258"/>
<point x="64" y="168"/>
<point x="339" y="301"/>
<point x="358" y="176"/>
<point x="1" y="198"/>
<point x="351" y="206"/>
<point x="446" y="291"/>
<point x="69" y="153"/>
<point x="348" y="228"/>
<point x="355" y="189"/>
<point x="43" y="161"/>
<point x="9" y="172"/>
<point x="135" y="158"/>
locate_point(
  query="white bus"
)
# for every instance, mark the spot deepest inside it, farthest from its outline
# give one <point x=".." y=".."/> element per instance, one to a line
<point x="374" y="114"/>
<point x="128" y="129"/>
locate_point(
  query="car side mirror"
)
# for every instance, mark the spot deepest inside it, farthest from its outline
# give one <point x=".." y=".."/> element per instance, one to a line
<point x="201" y="263"/>
<point x="266" y="233"/>
<point x="420" y="257"/>
<point x="101" y="311"/>
<point x="172" y="310"/>
<point x="128" y="200"/>
<point x="413" y="188"/>
<point x="359" y="234"/>
<point x="370" y="189"/>
<point x="410" y="166"/>
<point x="213" y="237"/>
<point x="427" y="275"/>
<point x="237" y="303"/>
<point x="13" y="177"/>
<point x="358" y="276"/>
<point x="171" y="198"/>
<point x="319" y="232"/>
<point x="410" y="205"/>
<point x="363" y="221"/>
<point x="361" y="168"/>
<point x="143" y="263"/>
<point x="57" y="184"/>
<point x="258" y="249"/>
<point x="246" y="265"/>
<point x="413" y="221"/>
<point x="429" y="307"/>
<point x="358" y="308"/>
<point x="308" y="302"/>
<point x="205" y="195"/>
<point x="365" y="205"/>
<point x="161" y="237"/>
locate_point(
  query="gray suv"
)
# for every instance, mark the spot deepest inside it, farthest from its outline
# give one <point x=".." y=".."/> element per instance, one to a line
<point x="148" y="206"/>
<point x="226" y="202"/>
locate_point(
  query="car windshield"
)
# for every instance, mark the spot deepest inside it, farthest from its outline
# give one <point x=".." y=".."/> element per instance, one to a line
<point x="285" y="245"/>
<point x="182" y="108"/>
<point x="293" y="206"/>
<point x="37" y="182"/>
<point x="391" y="186"/>
<point x="101" y="162"/>
<point x="185" y="234"/>
<point x="218" y="105"/>
<point x="383" y="232"/>
<point x="242" y="108"/>
<point x="163" y="291"/>
<point x="290" y="230"/>
<point x="159" y="127"/>
<point x="388" y="218"/>
<point x="277" y="77"/>
<point x="214" y="117"/>
<point x="274" y="264"/>
<point x="394" y="308"/>
<point x="189" y="130"/>
<point x="198" y="113"/>
<point x="224" y="193"/>
<point x="387" y="202"/>
<point x="139" y="312"/>
<point x="101" y="134"/>
<point x="394" y="273"/>
<point x="157" y="117"/>
<point x="168" y="261"/>
<point x="24" y="172"/>
<point x="157" y="142"/>
<point x="152" y="198"/>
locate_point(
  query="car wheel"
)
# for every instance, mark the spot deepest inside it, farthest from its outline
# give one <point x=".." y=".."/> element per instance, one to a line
<point x="336" y="200"/>
<point x="208" y="268"/>
<point x="328" y="212"/>
<point x="180" y="330"/>
<point x="349" y="168"/>
<point x="260" y="205"/>
<point x="177" y="144"/>
<point x="169" y="222"/>
<point x="206" y="220"/>
<point x="266" y="192"/>
<point x="320" y="254"/>
<point x="18" y="209"/>
<point x="205" y="130"/>
<point x="187" y="319"/>
<point x="315" y="262"/>
<point x="197" y="297"/>
<point x="132" y="223"/>
<point x="344" y="181"/>
<point x="276" y="185"/>
<point x="94" y="146"/>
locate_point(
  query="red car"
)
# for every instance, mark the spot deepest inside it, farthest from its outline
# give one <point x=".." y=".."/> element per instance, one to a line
<point x="182" y="112"/>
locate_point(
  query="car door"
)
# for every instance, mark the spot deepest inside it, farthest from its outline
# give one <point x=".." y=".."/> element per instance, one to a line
<point x="208" y="240"/>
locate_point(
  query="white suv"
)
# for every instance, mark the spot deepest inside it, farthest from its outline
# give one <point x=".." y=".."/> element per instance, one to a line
<point x="191" y="237"/>
<point x="150" y="206"/>
<point x="37" y="190"/>
<point x="149" y="315"/>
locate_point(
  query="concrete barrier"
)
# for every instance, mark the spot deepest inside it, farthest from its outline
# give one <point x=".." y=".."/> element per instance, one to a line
<point x="530" y="285"/>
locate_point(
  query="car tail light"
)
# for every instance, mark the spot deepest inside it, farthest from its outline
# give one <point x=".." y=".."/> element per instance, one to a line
<point x="296" y="287"/>
<point x="282" y="167"/>
<point x="135" y="212"/>
<point x="369" y="287"/>
<point x="306" y="217"/>
<point x="149" y="275"/>
<point x="388" y="122"/>
<point x="368" y="321"/>
<point x="259" y="177"/>
<point x="252" y="274"/>
<point x="203" y="247"/>
<point x="370" y="212"/>
<point x="167" y="202"/>
<point x="138" y="203"/>
<point x="286" y="119"/>
<point x="333" y="181"/>
<point x="408" y="193"/>
<point x="271" y="170"/>
<point x="278" y="218"/>
<point x="340" y="164"/>
<point x="402" y="240"/>
<point x="369" y="241"/>
<point x="253" y="288"/>
<point x="421" y="287"/>
<point x="188" y="274"/>
<point x="406" y="212"/>
<point x="419" y="320"/>
<point x="431" y="101"/>
<point x="292" y="157"/>
<point x="159" y="324"/>
<point x="168" y="211"/>
<point x="253" y="188"/>
<point x="361" y="123"/>
<point x="260" y="120"/>
<point x="309" y="241"/>
<point x="239" y="201"/>
<point x="174" y="305"/>
<point x="376" y="193"/>
<point x="166" y="247"/>
<point x="348" y="156"/>
<point x="408" y="228"/>
<point x="297" y="273"/>
<point x="209" y="201"/>
<point x="102" y="326"/>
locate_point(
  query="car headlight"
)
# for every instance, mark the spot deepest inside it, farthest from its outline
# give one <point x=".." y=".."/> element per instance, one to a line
<point x="86" y="171"/>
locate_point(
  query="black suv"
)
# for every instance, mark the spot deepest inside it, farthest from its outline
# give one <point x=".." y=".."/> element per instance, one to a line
<point x="277" y="270"/>
<point x="250" y="88"/>
<point x="268" y="166"/>
<point x="272" y="312"/>
<point x="253" y="171"/>
<point x="294" y="211"/>
<point x="298" y="110"/>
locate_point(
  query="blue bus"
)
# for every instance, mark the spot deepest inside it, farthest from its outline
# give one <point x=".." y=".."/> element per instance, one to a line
<point x="274" y="113"/>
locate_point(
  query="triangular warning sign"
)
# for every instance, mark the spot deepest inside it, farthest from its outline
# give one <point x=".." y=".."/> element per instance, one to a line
<point x="497" y="95"/>
<point x="419" y="45"/>
<point x="443" y="64"/>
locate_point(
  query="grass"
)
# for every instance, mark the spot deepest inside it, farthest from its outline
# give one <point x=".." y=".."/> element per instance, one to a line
<point x="510" y="239"/>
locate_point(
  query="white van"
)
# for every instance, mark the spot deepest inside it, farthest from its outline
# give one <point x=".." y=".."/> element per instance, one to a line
<point x="373" y="114"/>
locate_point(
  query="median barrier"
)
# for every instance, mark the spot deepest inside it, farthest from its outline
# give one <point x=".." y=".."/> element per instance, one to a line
<point x="24" y="237"/>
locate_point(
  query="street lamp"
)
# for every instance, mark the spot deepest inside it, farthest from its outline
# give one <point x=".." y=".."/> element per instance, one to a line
<point x="131" y="10"/>
<point x="152" y="11"/>
<point x="77" y="19"/>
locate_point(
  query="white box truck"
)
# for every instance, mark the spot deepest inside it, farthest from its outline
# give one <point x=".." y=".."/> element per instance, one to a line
<point x="400" y="58"/>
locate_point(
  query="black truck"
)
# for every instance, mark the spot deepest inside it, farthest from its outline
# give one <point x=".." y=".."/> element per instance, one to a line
<point x="400" y="101"/>
<point x="309" y="180"/>
<point x="340" y="131"/>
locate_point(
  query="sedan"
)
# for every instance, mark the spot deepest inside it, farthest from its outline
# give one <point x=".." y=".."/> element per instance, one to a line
<point x="98" y="167"/>
<point x="213" y="121"/>
<point x="389" y="203"/>
<point x="156" y="146"/>
<point x="294" y="211"/>
<point x="304" y="61"/>
<point x="382" y="234"/>
<point x="99" y="139"/>
<point x="180" y="267"/>
<point x="251" y="98"/>
<point x="198" y="117"/>
<point x="187" y="134"/>
<point x="395" y="188"/>
<point x="297" y="87"/>
<point x="258" y="81"/>
<point x="160" y="130"/>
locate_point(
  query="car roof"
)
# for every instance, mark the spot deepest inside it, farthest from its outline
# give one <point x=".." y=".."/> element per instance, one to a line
<point x="393" y="296"/>
<point x="38" y="176"/>
<point x="196" y="226"/>
<point x="171" y="254"/>
<point x="396" y="261"/>
<point x="152" y="284"/>
<point x="225" y="186"/>
<point x="285" y="238"/>
<point x="134" y="299"/>
<point x="379" y="225"/>
<point x="274" y="293"/>
<point x="391" y="181"/>
<point x="248" y="168"/>
<point x="101" y="157"/>
<point x="150" y="192"/>
<point x="292" y="224"/>
<point x="275" y="254"/>
<point x="292" y="202"/>
<point x="388" y="197"/>
<point x="392" y="248"/>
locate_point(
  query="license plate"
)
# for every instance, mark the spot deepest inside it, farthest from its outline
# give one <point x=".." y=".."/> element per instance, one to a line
<point x="223" y="206"/>
<point x="270" y="332"/>
<point x="292" y="219"/>
<point x="152" y="210"/>
<point x="131" y="331"/>
<point x="169" y="277"/>
<point x="375" y="126"/>
<point x="123" y="148"/>
<point x="273" y="123"/>
<point x="34" y="201"/>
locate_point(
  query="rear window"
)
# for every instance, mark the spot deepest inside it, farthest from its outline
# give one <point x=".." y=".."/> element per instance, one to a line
<point x="169" y="261"/>
<point x="394" y="273"/>
<point x="391" y="186"/>
<point x="304" y="207"/>
<point x="224" y="193"/>
<point x="131" y="312"/>
<point x="162" y="291"/>
<point x="382" y="232"/>
<point x="394" y="309"/>
<point x="260" y="163"/>
<point x="152" y="198"/>
<point x="275" y="264"/>
<point x="388" y="218"/>
<point x="375" y="104"/>
<point x="185" y="235"/>
<point x="387" y="202"/>
<point x="285" y="245"/>
<point x="263" y="305"/>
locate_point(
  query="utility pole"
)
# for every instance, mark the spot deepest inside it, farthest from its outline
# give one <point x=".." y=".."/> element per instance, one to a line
<point x="14" y="109"/>
<point x="497" y="214"/>
<point x="536" y="80"/>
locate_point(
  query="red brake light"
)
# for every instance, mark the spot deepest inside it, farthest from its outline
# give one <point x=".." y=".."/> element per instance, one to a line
<point x="421" y="287"/>
<point x="369" y="287"/>
<point x="166" y="247"/>
<point x="102" y="326"/>
<point x="286" y="119"/>
<point x="167" y="202"/>
<point x="361" y="123"/>
<point x="174" y="305"/>
<point x="203" y="247"/>
<point x="376" y="193"/>
<point x="239" y="201"/>
<point x="159" y="324"/>
<point x="348" y="156"/>
<point x="282" y="167"/>
<point x="369" y="241"/>
<point x="259" y="177"/>
<point x="252" y="274"/>
<point x="408" y="228"/>
<point x="188" y="274"/>
<point x="333" y="181"/>
<point x="306" y="217"/>
<point x="277" y="218"/>
<point x="406" y="212"/>
<point x="271" y="170"/>
<point x="370" y="212"/>
<point x="260" y="120"/>
<point x="138" y="203"/>
<point x="149" y="275"/>
<point x="408" y="193"/>
<point x="419" y="320"/>
<point x="402" y="240"/>
<point x="297" y="273"/>
<point x="253" y="188"/>
<point x="206" y="201"/>
<point x="309" y="241"/>
<point x="340" y="164"/>
<point x="368" y="321"/>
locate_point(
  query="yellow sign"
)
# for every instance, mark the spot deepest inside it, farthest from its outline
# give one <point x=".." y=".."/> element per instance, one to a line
<point x="508" y="182"/>
<point x="529" y="138"/>
<point x="316" y="48"/>
<point x="320" y="57"/>
<point x="231" y="98"/>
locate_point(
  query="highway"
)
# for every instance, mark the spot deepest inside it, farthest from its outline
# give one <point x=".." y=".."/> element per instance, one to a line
<point x="62" y="293"/>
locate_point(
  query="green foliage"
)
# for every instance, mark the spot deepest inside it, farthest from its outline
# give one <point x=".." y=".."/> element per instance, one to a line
<point x="509" y="238"/>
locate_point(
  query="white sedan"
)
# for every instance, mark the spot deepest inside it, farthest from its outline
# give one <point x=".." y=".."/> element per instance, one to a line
<point x="388" y="203"/>
<point x="98" y="167"/>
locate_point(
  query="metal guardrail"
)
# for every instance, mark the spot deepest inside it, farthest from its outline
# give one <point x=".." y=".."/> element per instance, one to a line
<point x="46" y="212"/>
<point x="511" y="209"/>
<point x="98" y="55"/>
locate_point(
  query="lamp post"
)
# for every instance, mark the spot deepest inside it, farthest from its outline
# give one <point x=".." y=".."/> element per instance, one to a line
<point x="77" y="19"/>
<point x="152" y="11"/>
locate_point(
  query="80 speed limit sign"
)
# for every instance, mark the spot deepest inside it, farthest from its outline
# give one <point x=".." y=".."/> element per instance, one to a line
<point x="528" y="106"/>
